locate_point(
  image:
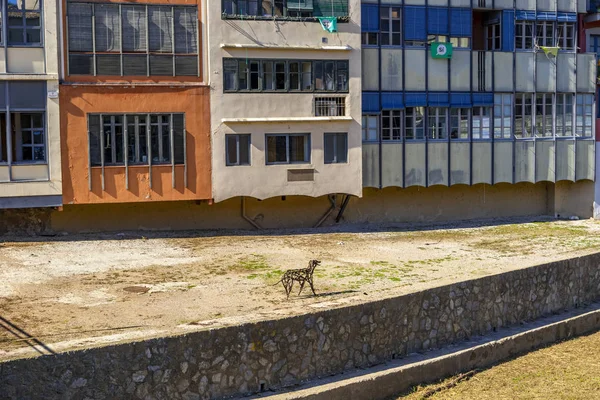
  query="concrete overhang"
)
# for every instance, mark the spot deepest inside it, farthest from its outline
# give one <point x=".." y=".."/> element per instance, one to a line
<point x="284" y="119"/>
<point x="277" y="47"/>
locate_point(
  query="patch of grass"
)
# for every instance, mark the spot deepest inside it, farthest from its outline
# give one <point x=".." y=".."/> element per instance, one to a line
<point x="569" y="370"/>
<point x="252" y="263"/>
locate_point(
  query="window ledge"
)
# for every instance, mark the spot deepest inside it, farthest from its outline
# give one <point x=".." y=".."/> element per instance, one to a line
<point x="8" y="76"/>
<point x="284" y="119"/>
<point x="278" y="47"/>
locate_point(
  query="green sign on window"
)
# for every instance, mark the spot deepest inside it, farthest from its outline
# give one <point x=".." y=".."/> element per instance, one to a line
<point x="441" y="50"/>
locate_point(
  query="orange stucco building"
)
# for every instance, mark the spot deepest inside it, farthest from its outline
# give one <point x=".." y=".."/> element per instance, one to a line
<point x="135" y="123"/>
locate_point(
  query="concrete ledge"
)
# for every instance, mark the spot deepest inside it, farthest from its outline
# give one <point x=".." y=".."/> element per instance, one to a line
<point x="396" y="377"/>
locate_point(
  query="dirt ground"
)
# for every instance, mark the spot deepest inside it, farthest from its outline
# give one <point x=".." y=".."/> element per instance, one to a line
<point x="569" y="370"/>
<point x="74" y="291"/>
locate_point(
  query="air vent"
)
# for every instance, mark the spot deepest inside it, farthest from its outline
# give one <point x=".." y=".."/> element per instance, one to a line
<point x="186" y="65"/>
<point x="135" y="64"/>
<point x="108" y="64"/>
<point x="161" y="65"/>
<point x="301" y="175"/>
<point x="81" y="64"/>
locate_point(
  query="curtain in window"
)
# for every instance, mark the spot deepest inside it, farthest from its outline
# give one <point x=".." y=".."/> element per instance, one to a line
<point x="160" y="29"/>
<point x="186" y="35"/>
<point x="134" y="28"/>
<point x="80" y="26"/>
<point x="108" y="27"/>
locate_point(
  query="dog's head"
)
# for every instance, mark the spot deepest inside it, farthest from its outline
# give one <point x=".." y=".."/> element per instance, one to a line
<point x="314" y="263"/>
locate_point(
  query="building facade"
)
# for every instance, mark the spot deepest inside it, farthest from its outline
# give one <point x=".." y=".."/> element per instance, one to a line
<point x="30" y="158"/>
<point x="135" y="103"/>
<point x="285" y="105"/>
<point x="460" y="92"/>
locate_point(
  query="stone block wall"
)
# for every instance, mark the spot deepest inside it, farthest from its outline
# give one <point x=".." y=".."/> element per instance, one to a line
<point x="249" y="358"/>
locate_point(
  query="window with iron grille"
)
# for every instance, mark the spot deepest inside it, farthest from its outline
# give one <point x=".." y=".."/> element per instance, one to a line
<point x="391" y="125"/>
<point x="24" y="22"/>
<point x="243" y="75"/>
<point x="330" y="106"/>
<point x="336" y="148"/>
<point x="284" y="9"/>
<point x="141" y="139"/>
<point x="237" y="149"/>
<point x="132" y="40"/>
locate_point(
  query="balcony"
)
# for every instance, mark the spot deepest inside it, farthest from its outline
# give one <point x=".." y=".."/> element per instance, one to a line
<point x="286" y="10"/>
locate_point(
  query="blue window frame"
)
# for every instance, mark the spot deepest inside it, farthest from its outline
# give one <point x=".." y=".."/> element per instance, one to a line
<point x="594" y="45"/>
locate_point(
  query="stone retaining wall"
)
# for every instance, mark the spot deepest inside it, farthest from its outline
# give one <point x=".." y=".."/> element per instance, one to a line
<point x="271" y="354"/>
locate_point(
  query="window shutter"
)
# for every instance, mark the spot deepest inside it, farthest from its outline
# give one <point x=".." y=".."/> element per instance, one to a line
<point x="186" y="30"/>
<point x="437" y="21"/>
<point x="94" y="140"/>
<point x="135" y="64"/>
<point x="108" y="27"/>
<point x="80" y="26"/>
<point x="81" y="64"/>
<point x="460" y="22"/>
<point x="179" y="138"/>
<point x="508" y="30"/>
<point x="161" y="65"/>
<point x="160" y="29"/>
<point x="108" y="64"/>
<point x="414" y="23"/>
<point x="186" y="65"/>
<point x="370" y="18"/>
<point x="134" y="28"/>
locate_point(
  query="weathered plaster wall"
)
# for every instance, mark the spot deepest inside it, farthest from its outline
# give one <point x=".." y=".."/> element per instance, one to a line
<point x="78" y="101"/>
<point x="271" y="354"/>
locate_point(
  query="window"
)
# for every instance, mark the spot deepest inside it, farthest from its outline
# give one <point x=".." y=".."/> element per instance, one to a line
<point x="544" y="33"/>
<point x="564" y="114"/>
<point x="565" y="32"/>
<point x="492" y="37"/>
<point x="543" y="115"/>
<point x="391" y="125"/>
<point x="132" y="40"/>
<point x="237" y="149"/>
<point x="370" y="128"/>
<point x="523" y="115"/>
<point x="140" y="139"/>
<point x="438" y="123"/>
<point x="24" y="22"/>
<point x="481" y="122"/>
<point x="584" y="115"/>
<point x="461" y="42"/>
<point x="336" y="148"/>
<point x="524" y="35"/>
<point x="330" y="106"/>
<point x="369" y="39"/>
<point x="460" y="123"/>
<point x="285" y="75"/>
<point x="267" y="9"/>
<point x="390" y="26"/>
<point x="414" y="123"/>
<point x="594" y="44"/>
<point x="27" y="136"/>
<point x="503" y="109"/>
<point x="288" y="149"/>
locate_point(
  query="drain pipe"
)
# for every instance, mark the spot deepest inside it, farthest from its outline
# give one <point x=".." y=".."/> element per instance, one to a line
<point x="251" y="221"/>
<point x="332" y="199"/>
<point x="342" y="209"/>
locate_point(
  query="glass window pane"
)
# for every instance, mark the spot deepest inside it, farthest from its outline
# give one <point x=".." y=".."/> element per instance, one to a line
<point x="231" y="149"/>
<point x="244" y="147"/>
<point x="298" y="148"/>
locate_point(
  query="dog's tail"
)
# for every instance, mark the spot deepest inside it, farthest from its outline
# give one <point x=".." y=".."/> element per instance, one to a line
<point x="277" y="283"/>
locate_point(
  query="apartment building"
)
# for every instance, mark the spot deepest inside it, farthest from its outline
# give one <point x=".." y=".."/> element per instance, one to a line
<point x="135" y="103"/>
<point x="285" y="99"/>
<point x="30" y="168"/>
<point x="591" y="42"/>
<point x="460" y="92"/>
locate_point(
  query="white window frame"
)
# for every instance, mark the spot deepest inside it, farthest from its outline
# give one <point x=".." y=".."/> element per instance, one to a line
<point x="481" y="123"/>
<point x="584" y="115"/>
<point x="523" y="36"/>
<point x="544" y="122"/>
<point x="564" y="119"/>
<point x="524" y="100"/>
<point x="566" y="33"/>
<point x="417" y="132"/>
<point x="457" y="116"/>
<point x="548" y="33"/>
<point x="440" y="116"/>
<point x="503" y="115"/>
<point x="490" y="41"/>
<point x="393" y="132"/>
<point x="366" y="127"/>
